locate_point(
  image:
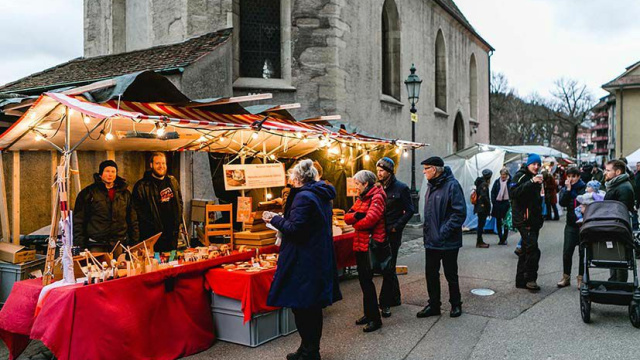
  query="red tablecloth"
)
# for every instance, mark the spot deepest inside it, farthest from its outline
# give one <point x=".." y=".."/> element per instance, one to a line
<point x="161" y="315"/>
<point x="343" y="246"/>
<point x="251" y="289"/>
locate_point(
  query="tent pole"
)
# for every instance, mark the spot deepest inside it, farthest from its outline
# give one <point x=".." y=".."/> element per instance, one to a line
<point x="75" y="173"/>
<point x="264" y="151"/>
<point x="15" y="208"/>
<point x="4" y="208"/>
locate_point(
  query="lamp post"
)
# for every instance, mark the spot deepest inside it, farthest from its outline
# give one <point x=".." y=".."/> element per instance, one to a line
<point x="413" y="83"/>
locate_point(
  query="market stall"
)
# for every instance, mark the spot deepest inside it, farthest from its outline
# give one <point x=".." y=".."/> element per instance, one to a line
<point x="151" y="305"/>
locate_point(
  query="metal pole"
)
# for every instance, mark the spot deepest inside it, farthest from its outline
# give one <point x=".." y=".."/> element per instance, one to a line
<point x="415" y="197"/>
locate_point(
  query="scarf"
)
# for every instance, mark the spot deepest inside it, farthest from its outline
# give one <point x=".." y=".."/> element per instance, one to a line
<point x="503" y="194"/>
<point x="616" y="181"/>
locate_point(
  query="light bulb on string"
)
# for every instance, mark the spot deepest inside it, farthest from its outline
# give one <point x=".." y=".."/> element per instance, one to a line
<point x="341" y="160"/>
<point x="38" y="137"/>
<point x="222" y="138"/>
<point x="202" y="139"/>
<point x="305" y="140"/>
<point x="269" y="196"/>
<point x="343" y="145"/>
<point x="160" y="129"/>
<point x="405" y="153"/>
<point x="398" y="150"/>
<point x="108" y="136"/>
<point x="254" y="135"/>
<point x="367" y="157"/>
<point x="299" y="135"/>
<point x="359" y="147"/>
<point x="272" y="157"/>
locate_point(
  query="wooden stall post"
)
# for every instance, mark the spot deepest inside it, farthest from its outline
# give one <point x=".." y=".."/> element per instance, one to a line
<point x="15" y="208"/>
<point x="4" y="206"/>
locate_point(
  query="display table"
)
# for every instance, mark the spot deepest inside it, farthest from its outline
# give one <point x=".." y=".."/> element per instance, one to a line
<point x="251" y="289"/>
<point x="161" y="315"/>
<point x="343" y="246"/>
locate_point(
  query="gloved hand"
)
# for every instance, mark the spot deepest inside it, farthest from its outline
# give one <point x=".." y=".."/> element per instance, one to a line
<point x="360" y="215"/>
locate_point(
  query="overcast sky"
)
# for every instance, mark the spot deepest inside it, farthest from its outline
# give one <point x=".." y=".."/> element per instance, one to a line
<point x="536" y="41"/>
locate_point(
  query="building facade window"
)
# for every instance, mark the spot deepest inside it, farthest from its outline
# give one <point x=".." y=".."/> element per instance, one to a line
<point x="473" y="88"/>
<point x="260" y="43"/>
<point x="441" y="73"/>
<point x="458" y="133"/>
<point x="390" y="50"/>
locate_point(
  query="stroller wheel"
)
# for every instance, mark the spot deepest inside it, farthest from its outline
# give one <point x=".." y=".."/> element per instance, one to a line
<point x="585" y="309"/>
<point x="634" y="314"/>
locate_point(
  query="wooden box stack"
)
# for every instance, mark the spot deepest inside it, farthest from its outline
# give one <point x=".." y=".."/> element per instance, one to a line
<point x="255" y="239"/>
<point x="338" y="222"/>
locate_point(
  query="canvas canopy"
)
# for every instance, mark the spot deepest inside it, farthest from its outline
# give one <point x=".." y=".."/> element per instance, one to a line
<point x="136" y="126"/>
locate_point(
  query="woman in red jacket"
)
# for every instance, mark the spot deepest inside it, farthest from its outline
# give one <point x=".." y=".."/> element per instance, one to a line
<point x="367" y="218"/>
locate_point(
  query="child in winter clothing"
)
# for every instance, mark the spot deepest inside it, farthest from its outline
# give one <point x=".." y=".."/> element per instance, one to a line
<point x="592" y="195"/>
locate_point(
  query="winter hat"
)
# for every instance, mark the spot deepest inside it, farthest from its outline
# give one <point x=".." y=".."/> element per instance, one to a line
<point x="534" y="158"/>
<point x="594" y="184"/>
<point x="386" y="164"/>
<point x="486" y="173"/>
<point x="107" y="163"/>
<point x="433" y="161"/>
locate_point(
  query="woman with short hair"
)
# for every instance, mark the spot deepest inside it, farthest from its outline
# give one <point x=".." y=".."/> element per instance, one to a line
<point x="367" y="218"/>
<point x="306" y="279"/>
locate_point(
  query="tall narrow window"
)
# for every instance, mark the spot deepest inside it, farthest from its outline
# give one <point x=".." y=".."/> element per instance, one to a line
<point x="473" y="88"/>
<point x="260" y="39"/>
<point x="390" y="49"/>
<point x="458" y="133"/>
<point x="441" y="73"/>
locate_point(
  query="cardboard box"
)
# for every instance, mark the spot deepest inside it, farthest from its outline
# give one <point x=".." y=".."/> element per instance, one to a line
<point x="247" y="235"/>
<point x="15" y="254"/>
<point x="198" y="209"/>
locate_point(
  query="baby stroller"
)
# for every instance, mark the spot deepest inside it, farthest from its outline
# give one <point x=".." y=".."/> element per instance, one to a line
<point x="608" y="242"/>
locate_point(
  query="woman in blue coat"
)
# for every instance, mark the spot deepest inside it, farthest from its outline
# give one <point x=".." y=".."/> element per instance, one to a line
<point x="306" y="279"/>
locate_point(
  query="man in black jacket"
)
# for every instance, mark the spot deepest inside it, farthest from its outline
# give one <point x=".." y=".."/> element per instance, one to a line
<point x="573" y="187"/>
<point x="619" y="188"/>
<point x="103" y="213"/>
<point x="482" y="206"/>
<point x="398" y="212"/>
<point x="526" y="204"/>
<point x="158" y="203"/>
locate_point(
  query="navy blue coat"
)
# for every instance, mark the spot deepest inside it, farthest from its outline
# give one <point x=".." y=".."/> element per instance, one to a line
<point x="445" y="210"/>
<point x="306" y="275"/>
<point x="399" y="208"/>
<point x="568" y="200"/>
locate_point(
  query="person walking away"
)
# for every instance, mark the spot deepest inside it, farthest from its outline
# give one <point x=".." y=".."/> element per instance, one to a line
<point x="550" y="196"/>
<point x="636" y="179"/>
<point x="367" y="218"/>
<point x="482" y="208"/>
<point x="618" y="187"/>
<point x="158" y="203"/>
<point x="445" y="210"/>
<point x="398" y="212"/>
<point x="634" y="213"/>
<point x="103" y="212"/>
<point x="587" y="173"/>
<point x="527" y="218"/>
<point x="573" y="187"/>
<point x="306" y="278"/>
<point x="500" y="204"/>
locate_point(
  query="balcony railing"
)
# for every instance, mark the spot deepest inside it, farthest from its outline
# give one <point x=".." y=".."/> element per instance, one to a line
<point x="600" y="138"/>
<point x="600" y="151"/>
<point x="601" y="126"/>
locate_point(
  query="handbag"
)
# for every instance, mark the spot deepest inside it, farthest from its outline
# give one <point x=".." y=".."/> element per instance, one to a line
<point x="380" y="256"/>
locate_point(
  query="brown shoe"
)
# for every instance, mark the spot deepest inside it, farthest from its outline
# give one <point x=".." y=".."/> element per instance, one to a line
<point x="566" y="281"/>
<point x="482" y="245"/>
<point x="579" y="280"/>
<point x="533" y="286"/>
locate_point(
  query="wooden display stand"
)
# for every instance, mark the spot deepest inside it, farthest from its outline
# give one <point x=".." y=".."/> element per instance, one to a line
<point x="218" y="229"/>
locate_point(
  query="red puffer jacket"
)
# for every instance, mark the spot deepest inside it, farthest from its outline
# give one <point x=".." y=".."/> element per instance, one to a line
<point x="372" y="204"/>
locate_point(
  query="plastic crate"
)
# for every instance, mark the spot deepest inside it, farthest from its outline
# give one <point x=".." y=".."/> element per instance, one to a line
<point x="228" y="320"/>
<point x="287" y="322"/>
<point x="12" y="273"/>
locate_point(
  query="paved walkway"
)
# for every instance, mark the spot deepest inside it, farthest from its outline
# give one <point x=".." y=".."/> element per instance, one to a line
<point x="512" y="324"/>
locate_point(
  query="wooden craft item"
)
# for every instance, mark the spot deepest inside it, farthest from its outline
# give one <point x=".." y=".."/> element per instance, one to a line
<point x="263" y="242"/>
<point x="254" y="235"/>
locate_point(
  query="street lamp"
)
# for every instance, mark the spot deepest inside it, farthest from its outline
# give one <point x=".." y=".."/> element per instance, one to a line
<point x="413" y="83"/>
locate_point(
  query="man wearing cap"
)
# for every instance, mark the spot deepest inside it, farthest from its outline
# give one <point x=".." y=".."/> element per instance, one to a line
<point x="158" y="202"/>
<point x="483" y="205"/>
<point x="398" y="212"/>
<point x="103" y="213"/>
<point x="445" y="210"/>
<point x="526" y="205"/>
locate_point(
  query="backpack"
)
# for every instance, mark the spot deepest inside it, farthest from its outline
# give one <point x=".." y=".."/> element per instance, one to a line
<point x="474" y="197"/>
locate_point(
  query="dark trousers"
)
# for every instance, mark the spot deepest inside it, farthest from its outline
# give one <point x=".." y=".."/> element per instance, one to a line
<point x="482" y="221"/>
<point x="571" y="240"/>
<point x="449" y="259"/>
<point x="369" y="296"/>
<point x="309" y="323"/>
<point x="503" y="233"/>
<point x="390" y="291"/>
<point x="552" y="207"/>
<point x="529" y="260"/>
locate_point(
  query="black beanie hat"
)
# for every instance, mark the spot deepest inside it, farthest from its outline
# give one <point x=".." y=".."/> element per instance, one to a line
<point x="107" y="163"/>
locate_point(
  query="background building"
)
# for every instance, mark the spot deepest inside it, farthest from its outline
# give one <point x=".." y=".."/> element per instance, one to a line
<point x="625" y="111"/>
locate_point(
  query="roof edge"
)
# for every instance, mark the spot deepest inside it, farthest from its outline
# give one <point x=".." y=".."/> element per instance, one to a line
<point x="464" y="24"/>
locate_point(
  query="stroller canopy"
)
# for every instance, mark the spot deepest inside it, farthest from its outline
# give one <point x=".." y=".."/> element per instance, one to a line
<point x="609" y="218"/>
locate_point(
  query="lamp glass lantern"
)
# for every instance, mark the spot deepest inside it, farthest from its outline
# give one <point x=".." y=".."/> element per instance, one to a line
<point x="413" y="83"/>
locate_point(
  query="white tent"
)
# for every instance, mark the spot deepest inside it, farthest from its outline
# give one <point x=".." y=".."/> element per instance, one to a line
<point x="633" y="159"/>
<point x="467" y="165"/>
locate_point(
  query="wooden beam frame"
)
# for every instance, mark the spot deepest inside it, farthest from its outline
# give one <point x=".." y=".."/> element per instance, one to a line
<point x="284" y="107"/>
<point x="236" y="99"/>
<point x="321" y="118"/>
<point x="15" y="208"/>
<point x="93" y="86"/>
<point x="4" y="205"/>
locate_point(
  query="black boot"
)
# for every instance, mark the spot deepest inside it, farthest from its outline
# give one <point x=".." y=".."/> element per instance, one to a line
<point x="386" y="312"/>
<point x="363" y="320"/>
<point x="428" y="311"/>
<point x="456" y="310"/>
<point x="296" y="355"/>
<point x="372" y="326"/>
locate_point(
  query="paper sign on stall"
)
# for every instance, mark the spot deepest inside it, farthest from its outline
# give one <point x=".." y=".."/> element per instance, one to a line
<point x="352" y="190"/>
<point x="253" y="176"/>
<point x="244" y="209"/>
